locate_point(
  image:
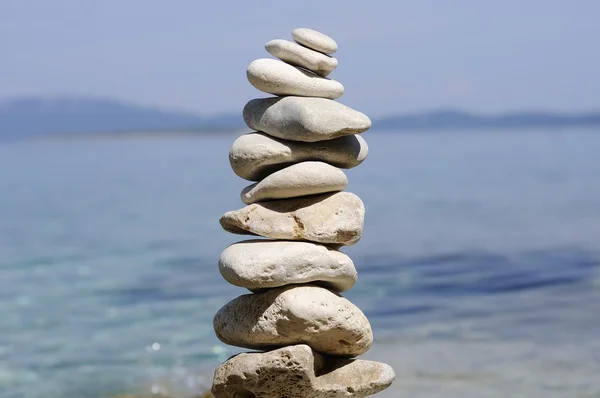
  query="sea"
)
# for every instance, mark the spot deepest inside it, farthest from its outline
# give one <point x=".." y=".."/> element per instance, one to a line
<point x="479" y="265"/>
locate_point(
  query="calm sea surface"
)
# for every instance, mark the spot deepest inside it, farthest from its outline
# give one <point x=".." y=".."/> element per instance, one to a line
<point x="479" y="266"/>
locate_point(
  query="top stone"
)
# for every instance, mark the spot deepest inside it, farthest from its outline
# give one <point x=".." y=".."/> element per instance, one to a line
<point x="314" y="40"/>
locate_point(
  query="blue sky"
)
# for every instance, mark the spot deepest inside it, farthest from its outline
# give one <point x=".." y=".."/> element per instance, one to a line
<point x="395" y="56"/>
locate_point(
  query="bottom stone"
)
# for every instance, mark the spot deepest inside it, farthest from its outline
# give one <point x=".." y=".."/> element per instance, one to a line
<point x="298" y="372"/>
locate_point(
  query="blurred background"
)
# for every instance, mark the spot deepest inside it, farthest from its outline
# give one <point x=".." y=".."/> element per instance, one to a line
<point x="479" y="266"/>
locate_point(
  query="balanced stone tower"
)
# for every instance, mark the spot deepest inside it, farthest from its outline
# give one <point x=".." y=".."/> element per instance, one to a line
<point x="305" y="331"/>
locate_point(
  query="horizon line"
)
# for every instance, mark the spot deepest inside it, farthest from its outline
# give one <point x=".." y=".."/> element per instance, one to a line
<point x="188" y="112"/>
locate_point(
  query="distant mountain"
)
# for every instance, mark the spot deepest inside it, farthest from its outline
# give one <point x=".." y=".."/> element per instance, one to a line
<point x="452" y="119"/>
<point x="30" y="117"/>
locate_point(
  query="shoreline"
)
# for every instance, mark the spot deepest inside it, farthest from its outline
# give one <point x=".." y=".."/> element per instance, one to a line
<point x="234" y="133"/>
<point x="118" y="136"/>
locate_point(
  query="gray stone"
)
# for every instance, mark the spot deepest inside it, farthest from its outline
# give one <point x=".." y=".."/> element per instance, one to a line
<point x="298" y="55"/>
<point x="330" y="218"/>
<point x="276" y="77"/>
<point x="299" y="372"/>
<point x="254" y="156"/>
<point x="300" y="179"/>
<point x="315" y="40"/>
<point x="261" y="264"/>
<point x="297" y="314"/>
<point x="304" y="119"/>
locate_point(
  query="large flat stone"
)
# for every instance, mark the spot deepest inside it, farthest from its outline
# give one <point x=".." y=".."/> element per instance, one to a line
<point x="295" y="54"/>
<point x="300" y="179"/>
<point x="297" y="314"/>
<point x="304" y="119"/>
<point x="330" y="218"/>
<point x="254" y="156"/>
<point x="314" y="40"/>
<point x="261" y="264"/>
<point x="279" y="78"/>
<point x="299" y="372"/>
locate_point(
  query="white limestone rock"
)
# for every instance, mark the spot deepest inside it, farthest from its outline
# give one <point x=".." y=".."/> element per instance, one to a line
<point x="276" y="77"/>
<point x="297" y="314"/>
<point x="295" y="54"/>
<point x="300" y="179"/>
<point x="330" y="218"/>
<point x="297" y="371"/>
<point x="305" y="119"/>
<point x="315" y="40"/>
<point x="262" y="264"/>
<point x="254" y="156"/>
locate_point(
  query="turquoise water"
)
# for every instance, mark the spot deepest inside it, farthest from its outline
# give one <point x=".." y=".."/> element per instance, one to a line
<point x="479" y="267"/>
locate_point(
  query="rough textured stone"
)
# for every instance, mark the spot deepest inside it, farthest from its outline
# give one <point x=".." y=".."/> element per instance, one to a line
<point x="298" y="55"/>
<point x="297" y="314"/>
<point x="276" y="77"/>
<point x="300" y="179"/>
<point x="299" y="372"/>
<point x="304" y="119"/>
<point x="315" y="40"/>
<point x="260" y="264"/>
<point x="254" y="156"/>
<point x="331" y="218"/>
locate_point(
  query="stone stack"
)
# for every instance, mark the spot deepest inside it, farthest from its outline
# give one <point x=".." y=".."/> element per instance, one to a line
<point x="295" y="314"/>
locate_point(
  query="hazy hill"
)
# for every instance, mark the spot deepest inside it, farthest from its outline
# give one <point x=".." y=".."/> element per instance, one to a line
<point x="24" y="118"/>
<point x="29" y="117"/>
<point x="451" y="119"/>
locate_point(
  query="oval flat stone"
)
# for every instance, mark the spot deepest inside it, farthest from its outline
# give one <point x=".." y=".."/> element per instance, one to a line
<point x="254" y="156"/>
<point x="300" y="179"/>
<point x="304" y="118"/>
<point x="330" y="218"/>
<point x="302" y="314"/>
<point x="298" y="371"/>
<point x="276" y="77"/>
<point x="295" y="54"/>
<point x="314" y="40"/>
<point x="261" y="264"/>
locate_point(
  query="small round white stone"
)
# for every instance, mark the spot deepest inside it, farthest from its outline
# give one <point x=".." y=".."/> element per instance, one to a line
<point x="297" y="314"/>
<point x="315" y="40"/>
<point x="301" y="179"/>
<point x="304" y="118"/>
<point x="328" y="218"/>
<point x="254" y="156"/>
<point x="276" y="77"/>
<point x="295" y="54"/>
<point x="265" y="264"/>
